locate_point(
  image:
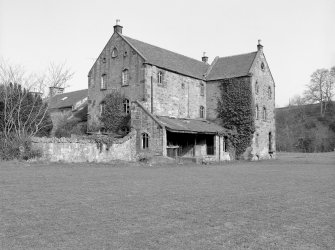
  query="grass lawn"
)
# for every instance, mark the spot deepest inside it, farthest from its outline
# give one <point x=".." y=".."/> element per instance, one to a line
<point x="285" y="203"/>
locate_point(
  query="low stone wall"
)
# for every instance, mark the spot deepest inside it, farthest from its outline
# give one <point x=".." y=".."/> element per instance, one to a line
<point x="85" y="150"/>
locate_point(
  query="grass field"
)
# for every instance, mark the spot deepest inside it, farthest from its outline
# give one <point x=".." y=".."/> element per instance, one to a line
<point x="288" y="203"/>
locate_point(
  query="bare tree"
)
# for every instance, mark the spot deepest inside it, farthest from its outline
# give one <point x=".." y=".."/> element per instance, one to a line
<point x="22" y="112"/>
<point x="58" y="75"/>
<point x="316" y="89"/>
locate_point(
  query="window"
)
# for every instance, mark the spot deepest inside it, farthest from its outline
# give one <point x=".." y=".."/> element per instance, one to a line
<point x="202" y="89"/>
<point x="257" y="140"/>
<point x="202" y="112"/>
<point x="103" y="83"/>
<point x="104" y="60"/>
<point x="269" y="92"/>
<point x="114" y="53"/>
<point x="125" y="77"/>
<point x="257" y="112"/>
<point x="126" y="107"/>
<point x="264" y="114"/>
<point x="225" y="144"/>
<point x="183" y="85"/>
<point x="102" y="108"/>
<point x="145" y="141"/>
<point x="125" y="53"/>
<point x="262" y="66"/>
<point x="160" y="77"/>
<point x="256" y="88"/>
<point x="210" y="145"/>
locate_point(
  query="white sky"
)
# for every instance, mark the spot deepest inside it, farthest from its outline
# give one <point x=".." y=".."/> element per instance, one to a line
<point x="298" y="36"/>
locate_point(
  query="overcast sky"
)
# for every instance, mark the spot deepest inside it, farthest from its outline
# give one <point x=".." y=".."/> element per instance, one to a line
<point x="298" y="36"/>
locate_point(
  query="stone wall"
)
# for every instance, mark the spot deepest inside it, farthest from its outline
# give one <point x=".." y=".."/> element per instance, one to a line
<point x="81" y="150"/>
<point x="177" y="96"/>
<point x="143" y="122"/>
<point x="126" y="58"/>
<point x="263" y="127"/>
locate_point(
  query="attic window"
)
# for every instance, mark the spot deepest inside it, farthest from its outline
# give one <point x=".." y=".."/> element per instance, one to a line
<point x="262" y="66"/>
<point x="104" y="60"/>
<point x="114" y="53"/>
<point x="64" y="98"/>
<point x="125" y="53"/>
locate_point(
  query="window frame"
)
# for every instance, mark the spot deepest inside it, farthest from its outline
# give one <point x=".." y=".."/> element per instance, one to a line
<point x="202" y="111"/>
<point x="114" y="53"/>
<point x="257" y="112"/>
<point x="145" y="140"/>
<point x="103" y="81"/>
<point x="202" y="89"/>
<point x="125" y="77"/>
<point x="264" y="114"/>
<point x="126" y="106"/>
<point x="160" y="77"/>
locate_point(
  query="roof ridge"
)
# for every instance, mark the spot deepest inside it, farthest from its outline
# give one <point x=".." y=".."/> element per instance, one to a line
<point x="165" y="49"/>
<point x="238" y="54"/>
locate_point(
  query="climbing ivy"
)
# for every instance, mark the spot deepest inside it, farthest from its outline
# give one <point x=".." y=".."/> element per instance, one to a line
<point x="235" y="110"/>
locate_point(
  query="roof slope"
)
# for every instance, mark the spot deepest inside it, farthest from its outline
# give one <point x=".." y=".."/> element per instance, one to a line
<point x="67" y="99"/>
<point x="231" y="66"/>
<point x="190" y="125"/>
<point x="169" y="60"/>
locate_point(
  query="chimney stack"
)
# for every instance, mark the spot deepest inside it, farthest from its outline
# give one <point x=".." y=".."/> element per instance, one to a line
<point x="55" y="91"/>
<point x="259" y="45"/>
<point x="204" y="58"/>
<point x="117" y="27"/>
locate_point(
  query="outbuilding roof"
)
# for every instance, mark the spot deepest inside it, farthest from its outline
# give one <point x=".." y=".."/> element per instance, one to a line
<point x="169" y="60"/>
<point x="231" y="66"/>
<point x="194" y="126"/>
<point x="67" y="100"/>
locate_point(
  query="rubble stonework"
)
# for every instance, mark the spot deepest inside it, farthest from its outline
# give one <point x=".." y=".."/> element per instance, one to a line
<point x="164" y="83"/>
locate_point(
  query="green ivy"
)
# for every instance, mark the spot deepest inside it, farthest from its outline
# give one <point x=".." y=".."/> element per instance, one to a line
<point x="235" y="109"/>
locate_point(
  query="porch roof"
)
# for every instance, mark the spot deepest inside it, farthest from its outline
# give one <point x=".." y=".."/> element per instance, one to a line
<point x="191" y="126"/>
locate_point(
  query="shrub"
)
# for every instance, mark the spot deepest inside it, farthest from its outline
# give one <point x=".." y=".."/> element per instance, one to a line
<point x="69" y="127"/>
<point x="14" y="147"/>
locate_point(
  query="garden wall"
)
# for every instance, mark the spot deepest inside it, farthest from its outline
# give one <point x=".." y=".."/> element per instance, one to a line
<point x="86" y="150"/>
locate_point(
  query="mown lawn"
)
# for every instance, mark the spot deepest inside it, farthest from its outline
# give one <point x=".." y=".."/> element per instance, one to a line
<point x="285" y="203"/>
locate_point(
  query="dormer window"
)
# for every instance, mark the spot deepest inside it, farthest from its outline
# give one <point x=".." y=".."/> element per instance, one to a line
<point x="160" y="77"/>
<point x="114" y="53"/>
<point x="125" y="77"/>
<point x="103" y="82"/>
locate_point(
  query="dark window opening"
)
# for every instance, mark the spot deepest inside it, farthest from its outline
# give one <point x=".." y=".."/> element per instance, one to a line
<point x="225" y="144"/>
<point x="270" y="142"/>
<point x="256" y="88"/>
<point x="160" y="77"/>
<point x="262" y="66"/>
<point x="210" y="145"/>
<point x="126" y="106"/>
<point x="269" y="93"/>
<point x="202" y="112"/>
<point x="145" y="141"/>
<point x="257" y="112"/>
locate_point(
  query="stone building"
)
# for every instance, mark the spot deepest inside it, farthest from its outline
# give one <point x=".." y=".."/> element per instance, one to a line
<point x="172" y="98"/>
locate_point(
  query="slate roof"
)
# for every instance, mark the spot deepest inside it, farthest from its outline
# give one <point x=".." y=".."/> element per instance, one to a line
<point x="231" y="66"/>
<point x="67" y="100"/>
<point x="197" y="126"/>
<point x="169" y="60"/>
